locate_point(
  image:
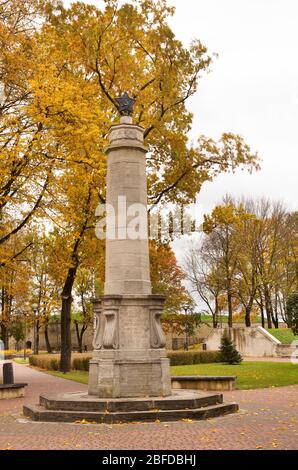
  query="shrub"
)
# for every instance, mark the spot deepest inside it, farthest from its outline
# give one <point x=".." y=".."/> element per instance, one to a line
<point x="228" y="352"/>
<point x="80" y="362"/>
<point x="292" y="312"/>
<point x="51" y="361"/>
<point x="13" y="352"/>
<point x="181" y="358"/>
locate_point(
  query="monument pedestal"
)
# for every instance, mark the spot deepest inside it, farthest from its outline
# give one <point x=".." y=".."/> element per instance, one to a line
<point x="129" y="359"/>
<point x="182" y="404"/>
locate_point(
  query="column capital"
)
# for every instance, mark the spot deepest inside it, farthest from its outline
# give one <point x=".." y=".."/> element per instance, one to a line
<point x="126" y="135"/>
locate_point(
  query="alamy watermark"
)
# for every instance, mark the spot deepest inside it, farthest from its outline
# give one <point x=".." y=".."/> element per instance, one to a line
<point x="136" y="221"/>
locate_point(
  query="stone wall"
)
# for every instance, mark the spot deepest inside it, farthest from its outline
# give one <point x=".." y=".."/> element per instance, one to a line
<point x="253" y="341"/>
<point x="172" y="340"/>
<point x="288" y="350"/>
<point x="55" y="338"/>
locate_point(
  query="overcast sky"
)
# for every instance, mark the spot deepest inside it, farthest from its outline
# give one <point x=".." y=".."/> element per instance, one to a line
<point x="252" y="89"/>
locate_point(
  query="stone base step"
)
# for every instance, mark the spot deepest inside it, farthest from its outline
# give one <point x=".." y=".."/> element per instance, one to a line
<point x="180" y="399"/>
<point x="39" y="413"/>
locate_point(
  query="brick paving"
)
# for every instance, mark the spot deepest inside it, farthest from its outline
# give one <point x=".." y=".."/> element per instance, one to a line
<point x="268" y="420"/>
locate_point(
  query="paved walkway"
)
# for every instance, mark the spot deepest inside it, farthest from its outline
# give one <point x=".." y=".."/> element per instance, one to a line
<point x="266" y="359"/>
<point x="268" y="420"/>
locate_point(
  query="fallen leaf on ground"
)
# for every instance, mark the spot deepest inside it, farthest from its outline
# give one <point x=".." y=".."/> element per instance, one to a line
<point x="84" y="421"/>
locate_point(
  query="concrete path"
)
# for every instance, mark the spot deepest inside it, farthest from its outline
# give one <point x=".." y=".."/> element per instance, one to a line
<point x="268" y="420"/>
<point x="267" y="359"/>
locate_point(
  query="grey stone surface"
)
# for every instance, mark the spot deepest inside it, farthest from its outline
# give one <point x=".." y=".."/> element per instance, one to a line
<point x="250" y="341"/>
<point x="129" y="358"/>
<point x="182" y="404"/>
<point x="12" y="390"/>
<point x="38" y="413"/>
<point x="204" y="382"/>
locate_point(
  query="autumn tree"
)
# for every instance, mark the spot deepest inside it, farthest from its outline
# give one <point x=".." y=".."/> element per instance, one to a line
<point x="70" y="69"/>
<point x="206" y="282"/>
<point x="249" y="253"/>
<point x="270" y="254"/>
<point x="25" y="170"/>
<point x="167" y="277"/>
<point x="72" y="240"/>
<point x="14" y="285"/>
<point x="223" y="227"/>
<point x="43" y="287"/>
<point x="82" y="318"/>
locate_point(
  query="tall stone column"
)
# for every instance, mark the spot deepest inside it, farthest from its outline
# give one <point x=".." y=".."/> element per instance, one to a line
<point x="129" y="359"/>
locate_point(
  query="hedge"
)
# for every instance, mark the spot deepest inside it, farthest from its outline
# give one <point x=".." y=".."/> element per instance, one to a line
<point x="81" y="361"/>
<point x="183" y="358"/>
<point x="51" y="361"/>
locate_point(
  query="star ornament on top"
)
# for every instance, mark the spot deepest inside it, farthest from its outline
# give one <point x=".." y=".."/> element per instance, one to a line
<point x="125" y="104"/>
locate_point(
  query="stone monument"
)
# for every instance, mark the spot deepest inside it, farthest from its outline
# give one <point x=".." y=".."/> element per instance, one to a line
<point x="129" y="375"/>
<point x="129" y="357"/>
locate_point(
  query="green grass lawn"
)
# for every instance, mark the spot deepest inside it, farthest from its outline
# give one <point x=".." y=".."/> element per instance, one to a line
<point x="249" y="374"/>
<point x="285" y="335"/>
<point x="80" y="376"/>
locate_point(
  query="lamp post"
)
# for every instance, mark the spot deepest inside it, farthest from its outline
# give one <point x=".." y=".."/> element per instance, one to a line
<point x="35" y="312"/>
<point x="186" y="308"/>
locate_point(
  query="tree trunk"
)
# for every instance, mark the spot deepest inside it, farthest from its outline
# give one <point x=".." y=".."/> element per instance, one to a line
<point x="80" y="335"/>
<point x="4" y="328"/>
<point x="275" y="321"/>
<point x="79" y="338"/>
<point x="275" y="312"/>
<point x="248" y="310"/>
<point x="36" y="346"/>
<point x="262" y="317"/>
<point x="215" y="314"/>
<point x="84" y="328"/>
<point x="47" y="340"/>
<point x="261" y="305"/>
<point x="5" y="336"/>
<point x="247" y="316"/>
<point x="65" y="356"/>
<point x="230" y="309"/>
<point x="268" y="307"/>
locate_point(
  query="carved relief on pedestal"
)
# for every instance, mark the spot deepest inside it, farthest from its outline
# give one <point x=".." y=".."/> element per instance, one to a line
<point x="157" y="336"/>
<point x="99" y="328"/>
<point x="110" y="336"/>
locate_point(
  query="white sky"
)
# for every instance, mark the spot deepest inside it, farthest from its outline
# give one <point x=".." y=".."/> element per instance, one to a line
<point x="252" y="89"/>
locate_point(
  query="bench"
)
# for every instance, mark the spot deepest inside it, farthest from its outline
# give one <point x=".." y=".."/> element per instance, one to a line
<point x="12" y="390"/>
<point x="204" y="382"/>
